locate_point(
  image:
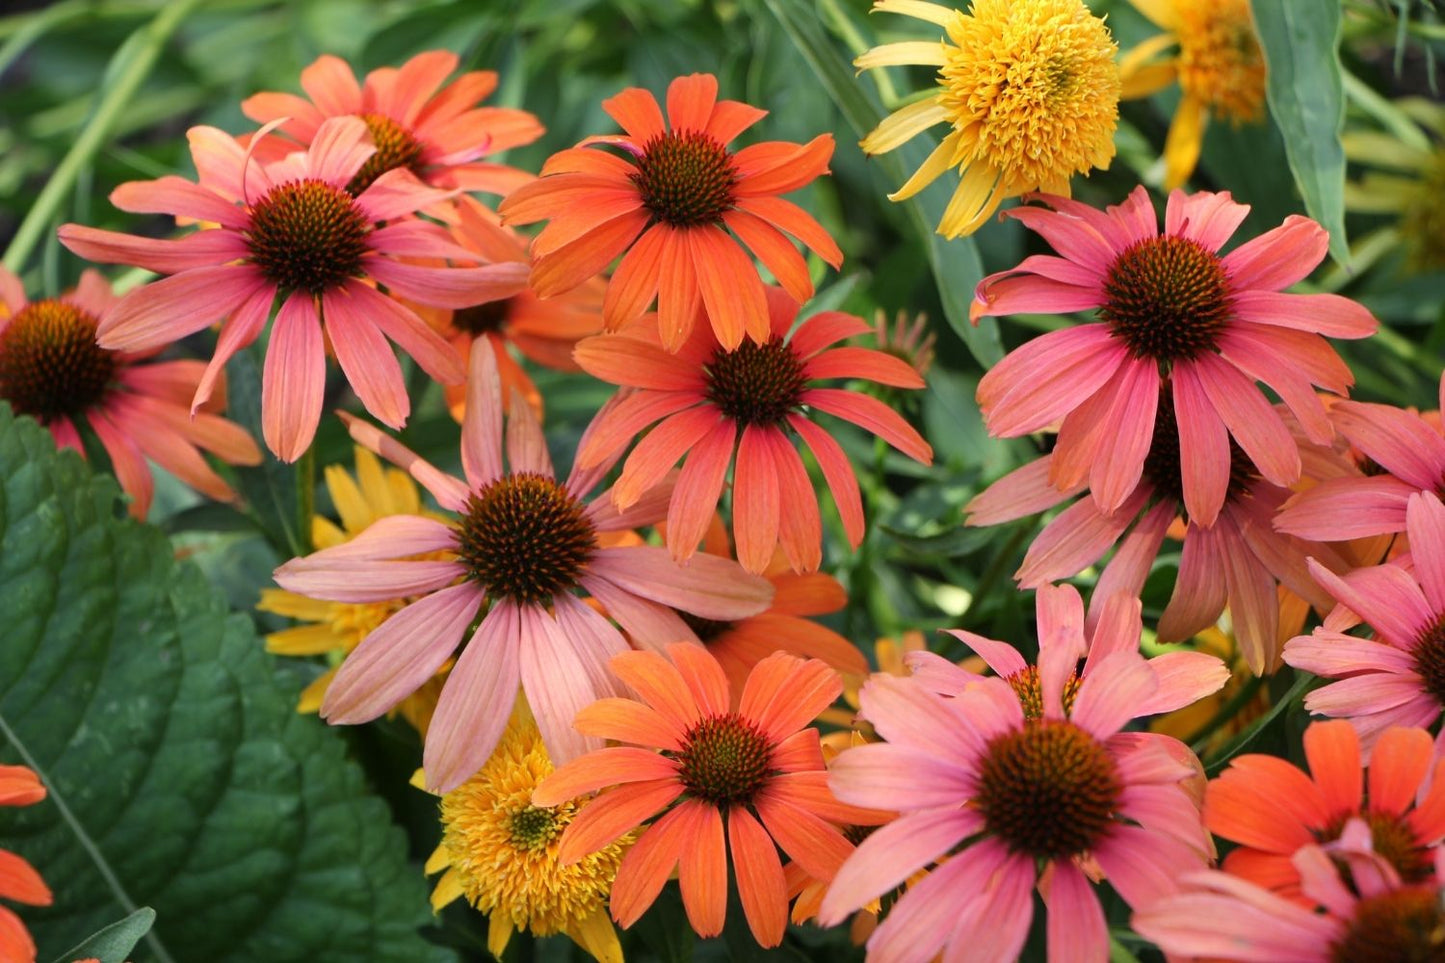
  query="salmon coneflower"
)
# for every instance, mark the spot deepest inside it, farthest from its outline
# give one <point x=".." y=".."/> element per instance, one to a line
<point x="1398" y="677"/>
<point x="52" y="369"/>
<point x="667" y="205"/>
<point x="418" y="120"/>
<point x="1066" y="641"/>
<point x="999" y="803"/>
<point x="744" y="782"/>
<point x="19" y="881"/>
<point x="299" y="237"/>
<point x="1403" y="454"/>
<point x="1029" y="88"/>
<point x="1367" y="916"/>
<point x="1271" y="809"/>
<point x="1170" y="307"/>
<point x="708" y="399"/>
<point x="1218" y="64"/>
<point x="525" y="544"/>
<point x="1238" y="561"/>
<point x="503" y="854"/>
<point x="543" y="331"/>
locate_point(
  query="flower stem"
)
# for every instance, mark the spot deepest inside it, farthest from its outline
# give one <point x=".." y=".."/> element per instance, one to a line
<point x="141" y="49"/>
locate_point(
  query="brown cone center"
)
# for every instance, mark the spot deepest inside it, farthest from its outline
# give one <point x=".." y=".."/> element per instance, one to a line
<point x="307" y="236"/>
<point x="756" y="384"/>
<point x="526" y="538"/>
<point x="724" y="760"/>
<point x="686" y="178"/>
<point x="50" y="365"/>
<point x="1167" y="299"/>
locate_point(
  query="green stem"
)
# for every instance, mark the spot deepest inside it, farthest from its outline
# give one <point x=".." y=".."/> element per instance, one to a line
<point x="148" y="42"/>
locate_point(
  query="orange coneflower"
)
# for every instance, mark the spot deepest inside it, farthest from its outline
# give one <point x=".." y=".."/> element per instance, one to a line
<point x="745" y="778"/>
<point x="677" y="194"/>
<point x="18" y="879"/>
<point x="708" y="398"/>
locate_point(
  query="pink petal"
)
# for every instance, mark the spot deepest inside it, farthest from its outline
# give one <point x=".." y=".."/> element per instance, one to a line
<point x="451" y="287"/>
<point x="180" y="197"/>
<point x="475" y="702"/>
<point x="1205" y="217"/>
<point x="238" y="331"/>
<point x="1250" y="419"/>
<point x="1278" y="258"/>
<point x="1129" y="568"/>
<point x="556" y="682"/>
<point x="648" y="624"/>
<point x="526" y="445"/>
<point x="1074" y="540"/>
<point x="364" y="580"/>
<point x="1398" y="440"/>
<point x="449" y="492"/>
<point x="1001" y="657"/>
<point x="838" y="472"/>
<point x="293" y="379"/>
<point x="366" y="359"/>
<point x="707" y="586"/>
<point x="413" y="335"/>
<point x="1184" y="678"/>
<point x="203" y="249"/>
<point x="874" y="416"/>
<point x="698" y="488"/>
<point x="1327" y="314"/>
<point x="1040" y="382"/>
<point x="1385" y="596"/>
<point x="1333" y="654"/>
<point x="1204" y="456"/>
<point x="1073" y="236"/>
<point x="482" y="422"/>
<point x="172" y="308"/>
<point x="891" y="854"/>
<point x="1200" y="591"/>
<point x="126" y="460"/>
<point x="1111" y="695"/>
<point x="1425" y="520"/>
<point x="1119" y="461"/>
<point x="400" y="655"/>
<point x="879" y="775"/>
<point x="906" y="714"/>
<point x="1076" y="929"/>
<point x="1022" y="492"/>
<point x="1346" y="508"/>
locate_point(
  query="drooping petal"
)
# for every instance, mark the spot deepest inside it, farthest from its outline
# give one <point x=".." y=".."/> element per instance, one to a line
<point x="476" y="701"/>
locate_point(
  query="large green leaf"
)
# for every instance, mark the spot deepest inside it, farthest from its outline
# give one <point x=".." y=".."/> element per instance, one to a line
<point x="956" y="265"/>
<point x="181" y="776"/>
<point x="1307" y="100"/>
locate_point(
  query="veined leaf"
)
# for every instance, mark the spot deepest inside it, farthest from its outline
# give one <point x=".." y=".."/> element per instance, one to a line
<point x="180" y="775"/>
<point x="1307" y="101"/>
<point x="956" y="265"/>
<point x="115" y="943"/>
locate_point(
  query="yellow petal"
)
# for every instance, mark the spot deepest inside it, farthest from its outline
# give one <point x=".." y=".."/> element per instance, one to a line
<point x="448" y="888"/>
<point x="304" y="640"/>
<point x="918" y="9"/>
<point x="938" y="162"/>
<point x="1181" y="147"/>
<point x="927" y="53"/>
<point x="313" y="694"/>
<point x="902" y="124"/>
<point x="499" y="932"/>
<point x="293" y="606"/>
<point x="350" y="504"/>
<point x="1161" y="12"/>
<point x="418" y="781"/>
<point x="597" y="935"/>
<point x="979" y="194"/>
<point x="325" y="534"/>
<point x="1147" y="80"/>
<point x="441" y="857"/>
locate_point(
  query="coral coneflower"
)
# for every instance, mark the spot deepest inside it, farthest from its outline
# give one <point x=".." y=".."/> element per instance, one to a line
<point x="742" y="779"/>
<point x="418" y="120"/>
<point x="1271" y="809"/>
<point x="335" y="628"/>
<point x="52" y="369"/>
<point x="1065" y="641"/>
<point x="1169" y="307"/>
<point x="1002" y="803"/>
<point x="1029" y="88"/>
<point x="19" y="881"/>
<point x="1238" y="561"/>
<point x="1398" y="677"/>
<point x="502" y="853"/>
<point x="299" y="237"/>
<point x="543" y="330"/>
<point x="668" y="206"/>
<point x="709" y="399"/>
<point x="1218" y="64"/>
<point x="524" y="543"/>
<point x="1405" y="454"/>
<point x="1366" y="916"/>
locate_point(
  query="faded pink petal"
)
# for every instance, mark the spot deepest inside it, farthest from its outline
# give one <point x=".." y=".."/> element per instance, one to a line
<point x="172" y="308"/>
<point x="475" y="702"/>
<point x="556" y="682"/>
<point x="1076" y="929"/>
<point x="293" y="379"/>
<point x="366" y="359"/>
<point x="707" y="586"/>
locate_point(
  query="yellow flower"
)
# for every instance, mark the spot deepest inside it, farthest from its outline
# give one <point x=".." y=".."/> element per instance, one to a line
<point x="500" y="852"/>
<point x="335" y="628"/>
<point x="1030" y="88"/>
<point x="1218" y="64"/>
<point x="1409" y="181"/>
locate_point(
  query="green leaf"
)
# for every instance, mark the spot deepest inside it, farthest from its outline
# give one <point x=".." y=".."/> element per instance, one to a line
<point x="114" y="943"/>
<point x="180" y="775"/>
<point x="1307" y="101"/>
<point x="956" y="265"/>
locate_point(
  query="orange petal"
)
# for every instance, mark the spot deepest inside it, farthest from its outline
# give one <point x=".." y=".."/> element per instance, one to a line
<point x="1398" y="765"/>
<point x="699" y="486"/>
<point x="570" y="265"/>
<point x="817" y="846"/>
<point x="636" y="111"/>
<point x="813" y="593"/>
<point x="626" y="720"/>
<point x="761" y="886"/>
<point x="634" y="283"/>
<point x="792" y="219"/>
<point x="702" y="873"/>
<point x="1333" y="751"/>
<point x="755" y="499"/>
<point x="690" y="101"/>
<point x="611" y="814"/>
<point x="704" y="677"/>
<point x="775" y="251"/>
<point x="602" y="768"/>
<point x="801" y="528"/>
<point x="660" y="685"/>
<point x="678" y="297"/>
<point x="19" y="881"/>
<point x="731" y="290"/>
<point x="19" y="786"/>
<point x="645" y="868"/>
<point x="795" y="692"/>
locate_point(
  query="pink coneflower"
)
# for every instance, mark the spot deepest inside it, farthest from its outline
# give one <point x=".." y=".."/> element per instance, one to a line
<point x="677" y="206"/>
<point x="745" y="780"/>
<point x="417" y="120"/>
<point x="1012" y="803"/>
<point x="1064" y="640"/>
<point x="708" y="399"/>
<point x="1237" y="561"/>
<point x="52" y="369"/>
<point x="300" y="237"/>
<point x="525" y="544"/>
<point x="1367" y="917"/>
<point x="1406" y="454"/>
<point x="1398" y="677"/>
<point x="1272" y="809"/>
<point x="1170" y="307"/>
